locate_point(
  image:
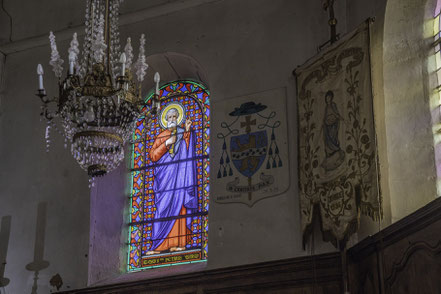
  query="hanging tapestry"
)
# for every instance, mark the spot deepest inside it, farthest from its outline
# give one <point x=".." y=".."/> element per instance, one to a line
<point x="337" y="147"/>
<point x="250" y="150"/>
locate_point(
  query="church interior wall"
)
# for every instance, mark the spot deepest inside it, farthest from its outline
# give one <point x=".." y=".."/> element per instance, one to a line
<point x="31" y="178"/>
<point x="402" y="74"/>
<point x="244" y="47"/>
<point x="2" y="77"/>
<point x="249" y="61"/>
<point x="407" y="45"/>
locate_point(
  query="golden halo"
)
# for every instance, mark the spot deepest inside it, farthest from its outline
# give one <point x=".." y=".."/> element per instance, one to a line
<point x="176" y="105"/>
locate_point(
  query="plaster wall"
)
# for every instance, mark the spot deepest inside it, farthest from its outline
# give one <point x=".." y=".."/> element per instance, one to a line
<point x="244" y="47"/>
<point x="359" y="10"/>
<point x="59" y="15"/>
<point x="44" y="194"/>
<point x="407" y="46"/>
<point x="402" y="77"/>
<point x="2" y="77"/>
<point x="226" y="219"/>
<point x="398" y="200"/>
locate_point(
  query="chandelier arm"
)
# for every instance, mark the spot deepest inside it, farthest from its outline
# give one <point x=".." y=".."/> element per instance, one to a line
<point x="50" y="115"/>
<point x="41" y="93"/>
<point x="46" y="113"/>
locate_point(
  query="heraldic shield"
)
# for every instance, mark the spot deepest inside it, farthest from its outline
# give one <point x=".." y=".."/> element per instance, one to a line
<point x="250" y="159"/>
<point x="248" y="152"/>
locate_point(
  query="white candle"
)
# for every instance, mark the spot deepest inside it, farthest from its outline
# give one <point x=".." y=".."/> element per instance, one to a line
<point x="72" y="58"/>
<point x="40" y="73"/>
<point x="123" y="60"/>
<point x="157" y="78"/>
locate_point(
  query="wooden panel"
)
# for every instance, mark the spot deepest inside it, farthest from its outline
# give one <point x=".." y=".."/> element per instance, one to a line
<point x="318" y="274"/>
<point x="417" y="271"/>
<point x="403" y="258"/>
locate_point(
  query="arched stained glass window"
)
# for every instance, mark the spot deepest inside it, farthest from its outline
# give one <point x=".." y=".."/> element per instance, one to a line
<point x="170" y="180"/>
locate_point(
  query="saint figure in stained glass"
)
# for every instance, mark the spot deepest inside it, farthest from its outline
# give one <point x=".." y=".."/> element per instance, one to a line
<point x="174" y="187"/>
<point x="170" y="180"/>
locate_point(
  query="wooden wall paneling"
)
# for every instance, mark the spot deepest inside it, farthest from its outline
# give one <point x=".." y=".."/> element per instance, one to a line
<point x="418" y="270"/>
<point x="309" y="274"/>
<point x="403" y="258"/>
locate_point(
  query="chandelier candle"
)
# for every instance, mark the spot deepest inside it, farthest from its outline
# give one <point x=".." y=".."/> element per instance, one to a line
<point x="99" y="100"/>
<point x="123" y="61"/>
<point x="72" y="58"/>
<point x="157" y="79"/>
<point x="40" y="73"/>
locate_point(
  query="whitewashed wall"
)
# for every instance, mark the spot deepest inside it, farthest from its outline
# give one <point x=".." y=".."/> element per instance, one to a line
<point x="244" y="46"/>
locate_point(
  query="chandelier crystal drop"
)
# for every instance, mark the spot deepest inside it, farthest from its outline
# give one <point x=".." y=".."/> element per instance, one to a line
<point x="99" y="100"/>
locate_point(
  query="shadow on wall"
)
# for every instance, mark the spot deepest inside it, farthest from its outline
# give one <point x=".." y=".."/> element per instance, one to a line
<point x="38" y="264"/>
<point x="173" y="66"/>
<point x="5" y="231"/>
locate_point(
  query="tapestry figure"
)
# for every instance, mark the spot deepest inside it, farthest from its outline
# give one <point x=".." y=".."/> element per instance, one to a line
<point x="334" y="156"/>
<point x="174" y="181"/>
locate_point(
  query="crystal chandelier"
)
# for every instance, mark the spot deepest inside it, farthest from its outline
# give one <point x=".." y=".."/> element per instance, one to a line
<point x="99" y="100"/>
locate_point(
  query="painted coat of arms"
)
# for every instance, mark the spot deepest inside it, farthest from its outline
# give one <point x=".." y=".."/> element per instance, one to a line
<point x="251" y="156"/>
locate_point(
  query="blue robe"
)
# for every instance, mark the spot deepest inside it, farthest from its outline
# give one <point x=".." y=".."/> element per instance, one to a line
<point x="174" y="186"/>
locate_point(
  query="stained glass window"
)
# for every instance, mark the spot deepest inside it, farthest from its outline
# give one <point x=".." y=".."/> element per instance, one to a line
<point x="170" y="180"/>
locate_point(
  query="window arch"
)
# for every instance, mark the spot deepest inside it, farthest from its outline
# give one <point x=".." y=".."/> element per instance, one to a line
<point x="170" y="180"/>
